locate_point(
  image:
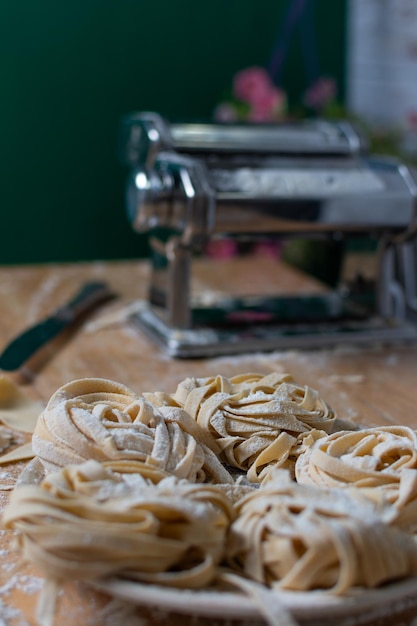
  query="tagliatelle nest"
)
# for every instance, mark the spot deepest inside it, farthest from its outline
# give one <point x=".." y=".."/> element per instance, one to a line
<point x="136" y="489"/>
<point x="301" y="537"/>
<point x="257" y="420"/>
<point x="89" y="521"/>
<point x="99" y="419"/>
<point x="381" y="461"/>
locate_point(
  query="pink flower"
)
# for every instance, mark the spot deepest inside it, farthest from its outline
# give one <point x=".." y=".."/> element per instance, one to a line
<point x="251" y="84"/>
<point x="320" y="93"/>
<point x="221" y="248"/>
<point x="269" y="106"/>
<point x="268" y="248"/>
<point x="254" y="86"/>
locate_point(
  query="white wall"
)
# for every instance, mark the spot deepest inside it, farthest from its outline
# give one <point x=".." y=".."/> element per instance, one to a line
<point x="382" y="62"/>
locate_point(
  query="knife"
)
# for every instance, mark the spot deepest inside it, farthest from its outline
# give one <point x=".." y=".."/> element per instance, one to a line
<point x="25" y="354"/>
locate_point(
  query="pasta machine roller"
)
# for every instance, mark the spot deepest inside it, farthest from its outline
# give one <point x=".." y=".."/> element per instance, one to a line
<point x="316" y="180"/>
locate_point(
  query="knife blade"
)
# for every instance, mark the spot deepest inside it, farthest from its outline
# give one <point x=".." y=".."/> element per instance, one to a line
<point x="27" y="352"/>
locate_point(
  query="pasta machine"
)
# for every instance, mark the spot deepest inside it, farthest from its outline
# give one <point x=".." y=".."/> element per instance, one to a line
<point x="310" y="179"/>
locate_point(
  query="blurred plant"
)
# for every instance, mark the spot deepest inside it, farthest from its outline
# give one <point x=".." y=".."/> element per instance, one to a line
<point x="254" y="98"/>
<point x="321" y="94"/>
<point x="256" y="95"/>
<point x="394" y="141"/>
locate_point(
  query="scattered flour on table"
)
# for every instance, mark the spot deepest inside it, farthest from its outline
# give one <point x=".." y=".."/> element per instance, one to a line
<point x="346" y="378"/>
<point x="392" y="361"/>
<point x="11" y="614"/>
<point x="25" y="583"/>
<point x="40" y="296"/>
<point x="4" y="499"/>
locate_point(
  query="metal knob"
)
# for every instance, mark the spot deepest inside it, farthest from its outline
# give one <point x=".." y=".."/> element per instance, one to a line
<point x="175" y="194"/>
<point x="149" y="198"/>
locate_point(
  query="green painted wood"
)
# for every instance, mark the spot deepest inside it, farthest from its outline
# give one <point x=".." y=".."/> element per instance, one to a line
<point x="70" y="70"/>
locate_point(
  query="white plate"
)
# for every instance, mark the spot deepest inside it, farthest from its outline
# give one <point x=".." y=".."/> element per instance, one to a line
<point x="357" y="607"/>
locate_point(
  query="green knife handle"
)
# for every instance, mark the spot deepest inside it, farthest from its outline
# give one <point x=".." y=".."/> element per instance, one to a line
<point x="33" y="347"/>
<point x="88" y="297"/>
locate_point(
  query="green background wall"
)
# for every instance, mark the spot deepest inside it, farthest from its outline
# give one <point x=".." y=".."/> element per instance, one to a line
<point x="70" y="70"/>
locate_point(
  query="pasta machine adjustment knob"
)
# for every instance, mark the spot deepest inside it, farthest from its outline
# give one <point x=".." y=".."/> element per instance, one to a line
<point x="149" y="198"/>
<point x="174" y="194"/>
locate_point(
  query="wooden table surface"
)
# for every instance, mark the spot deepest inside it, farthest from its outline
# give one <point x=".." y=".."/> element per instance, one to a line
<point x="374" y="386"/>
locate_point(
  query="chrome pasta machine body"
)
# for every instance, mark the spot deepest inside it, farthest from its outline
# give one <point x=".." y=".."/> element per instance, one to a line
<point x="313" y="179"/>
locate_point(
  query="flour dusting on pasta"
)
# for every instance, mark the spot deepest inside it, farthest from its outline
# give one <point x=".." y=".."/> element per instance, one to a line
<point x="250" y="481"/>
